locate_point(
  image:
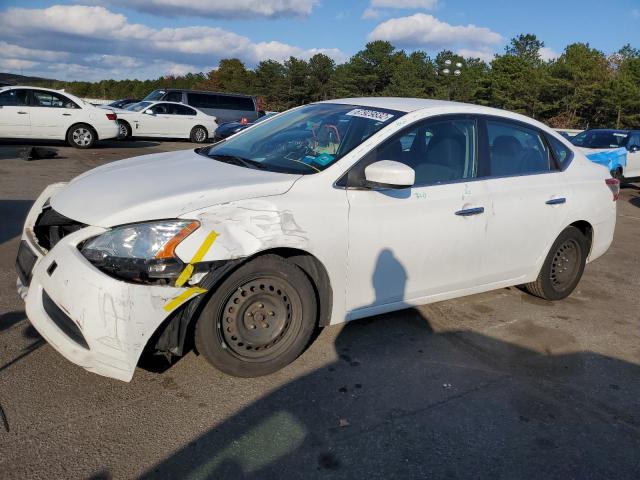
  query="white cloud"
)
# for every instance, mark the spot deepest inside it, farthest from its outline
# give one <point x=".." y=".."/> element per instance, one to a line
<point x="379" y="8"/>
<point x="483" y="54"/>
<point x="371" y="14"/>
<point x="221" y="8"/>
<point x="426" y="31"/>
<point x="408" y="4"/>
<point x="547" y="54"/>
<point x="16" y="64"/>
<point x="108" y="43"/>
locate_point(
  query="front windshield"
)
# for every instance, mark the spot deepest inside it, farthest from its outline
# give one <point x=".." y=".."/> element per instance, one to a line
<point x="137" y="107"/>
<point x="304" y="140"/>
<point x="155" y="95"/>
<point x="600" y="139"/>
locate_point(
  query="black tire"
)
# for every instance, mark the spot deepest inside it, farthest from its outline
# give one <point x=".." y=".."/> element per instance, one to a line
<point x="259" y="319"/>
<point x="199" y="134"/>
<point x="125" y="130"/>
<point x="563" y="267"/>
<point x="81" y="135"/>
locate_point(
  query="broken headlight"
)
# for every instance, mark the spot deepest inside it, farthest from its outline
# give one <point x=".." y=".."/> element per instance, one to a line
<point x="140" y="252"/>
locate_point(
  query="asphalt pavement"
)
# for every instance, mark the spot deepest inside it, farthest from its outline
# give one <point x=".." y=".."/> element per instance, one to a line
<point x="496" y="385"/>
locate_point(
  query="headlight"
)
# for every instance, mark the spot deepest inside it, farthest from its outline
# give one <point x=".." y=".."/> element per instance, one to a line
<point x="141" y="251"/>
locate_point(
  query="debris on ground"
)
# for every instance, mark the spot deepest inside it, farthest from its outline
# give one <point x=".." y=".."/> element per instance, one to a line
<point x="38" y="153"/>
<point x="5" y="421"/>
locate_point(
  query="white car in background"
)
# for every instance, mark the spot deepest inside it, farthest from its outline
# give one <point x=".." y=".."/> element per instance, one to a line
<point x="43" y="113"/>
<point x="166" y="120"/>
<point x="325" y="213"/>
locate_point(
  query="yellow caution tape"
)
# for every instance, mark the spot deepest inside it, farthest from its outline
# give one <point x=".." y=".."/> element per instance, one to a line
<point x="199" y="255"/>
<point x="180" y="299"/>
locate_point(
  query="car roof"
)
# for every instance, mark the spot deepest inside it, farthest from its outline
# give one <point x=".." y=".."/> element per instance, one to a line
<point x="188" y="90"/>
<point x="609" y="130"/>
<point x="408" y="105"/>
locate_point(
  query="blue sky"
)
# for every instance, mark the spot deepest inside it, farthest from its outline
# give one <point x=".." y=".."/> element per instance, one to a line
<point x="94" y="39"/>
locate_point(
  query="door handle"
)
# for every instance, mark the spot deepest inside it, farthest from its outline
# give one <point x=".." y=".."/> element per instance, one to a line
<point x="66" y="114"/>
<point x="467" y="212"/>
<point x="556" y="201"/>
<point x="22" y="113"/>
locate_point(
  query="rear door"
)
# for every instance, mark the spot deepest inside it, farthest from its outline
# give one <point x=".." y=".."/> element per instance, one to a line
<point x="529" y="197"/>
<point x="52" y="114"/>
<point x="205" y="102"/>
<point x="14" y="113"/>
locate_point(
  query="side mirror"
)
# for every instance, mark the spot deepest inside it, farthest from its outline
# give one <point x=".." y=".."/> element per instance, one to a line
<point x="149" y="112"/>
<point x="389" y="174"/>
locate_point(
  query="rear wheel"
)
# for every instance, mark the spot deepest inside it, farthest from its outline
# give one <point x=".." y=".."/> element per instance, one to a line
<point x="81" y="136"/>
<point x="259" y="320"/>
<point x="563" y="267"/>
<point x="124" y="130"/>
<point x="199" y="134"/>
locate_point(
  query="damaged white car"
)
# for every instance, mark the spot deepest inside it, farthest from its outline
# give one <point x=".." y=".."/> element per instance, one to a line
<point x="328" y="212"/>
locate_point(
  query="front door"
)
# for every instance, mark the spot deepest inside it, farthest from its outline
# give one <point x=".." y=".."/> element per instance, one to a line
<point x="14" y="114"/>
<point x="411" y="245"/>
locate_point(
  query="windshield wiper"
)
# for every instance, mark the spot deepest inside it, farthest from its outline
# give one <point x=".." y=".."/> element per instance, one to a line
<point x="239" y="161"/>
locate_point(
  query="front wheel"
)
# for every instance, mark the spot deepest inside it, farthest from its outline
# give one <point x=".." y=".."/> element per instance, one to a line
<point x="563" y="267"/>
<point x="258" y="320"/>
<point x="81" y="136"/>
<point x="199" y="134"/>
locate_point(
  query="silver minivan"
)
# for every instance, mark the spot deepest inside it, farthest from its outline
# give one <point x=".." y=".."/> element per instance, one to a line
<point x="226" y="107"/>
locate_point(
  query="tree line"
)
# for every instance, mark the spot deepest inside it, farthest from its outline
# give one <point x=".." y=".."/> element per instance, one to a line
<point x="581" y="88"/>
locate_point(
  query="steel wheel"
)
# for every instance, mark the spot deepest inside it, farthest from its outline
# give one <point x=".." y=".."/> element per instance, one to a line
<point x="565" y="264"/>
<point x="256" y="318"/>
<point x="259" y="319"/>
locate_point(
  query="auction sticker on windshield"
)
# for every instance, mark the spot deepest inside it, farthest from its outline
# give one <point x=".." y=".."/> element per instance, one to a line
<point x="371" y="114"/>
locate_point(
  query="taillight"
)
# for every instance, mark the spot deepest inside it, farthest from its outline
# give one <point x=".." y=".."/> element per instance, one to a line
<point x="112" y="116"/>
<point x="614" y="186"/>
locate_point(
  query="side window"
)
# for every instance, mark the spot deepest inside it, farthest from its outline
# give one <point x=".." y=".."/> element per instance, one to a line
<point x="202" y="100"/>
<point x="438" y="151"/>
<point x="173" y="97"/>
<point x="14" y="98"/>
<point x="184" y="110"/>
<point x="516" y="150"/>
<point x="230" y="102"/>
<point x="560" y="150"/>
<point x="161" y="108"/>
<point x="634" y="142"/>
<point x="51" y="100"/>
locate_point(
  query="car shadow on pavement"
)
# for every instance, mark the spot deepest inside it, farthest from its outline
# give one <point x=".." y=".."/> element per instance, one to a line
<point x="13" y="214"/>
<point x="404" y="402"/>
<point x="405" y="399"/>
<point x="101" y="144"/>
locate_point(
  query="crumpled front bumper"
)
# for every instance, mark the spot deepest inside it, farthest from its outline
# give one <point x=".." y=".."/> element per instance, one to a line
<point x="115" y="318"/>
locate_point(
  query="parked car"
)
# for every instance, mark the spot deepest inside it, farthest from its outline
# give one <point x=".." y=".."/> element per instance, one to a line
<point x="122" y="103"/>
<point x="227" y="129"/>
<point x="42" y="113"/>
<point x="165" y="119"/>
<point x="602" y="139"/>
<point x="329" y="212"/>
<point x="568" y="133"/>
<point x="226" y="107"/>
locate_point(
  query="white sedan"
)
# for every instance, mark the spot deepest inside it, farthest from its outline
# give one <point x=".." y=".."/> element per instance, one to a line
<point x="42" y="113"/>
<point x="326" y="213"/>
<point x="167" y="120"/>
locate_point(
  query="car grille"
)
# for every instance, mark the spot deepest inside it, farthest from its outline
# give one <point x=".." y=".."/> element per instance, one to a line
<point x="51" y="227"/>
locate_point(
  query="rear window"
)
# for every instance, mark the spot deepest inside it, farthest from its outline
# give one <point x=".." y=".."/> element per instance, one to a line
<point x="202" y="100"/>
<point x="229" y="102"/>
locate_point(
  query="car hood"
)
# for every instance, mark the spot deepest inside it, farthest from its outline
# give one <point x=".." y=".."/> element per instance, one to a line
<point x="159" y="186"/>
